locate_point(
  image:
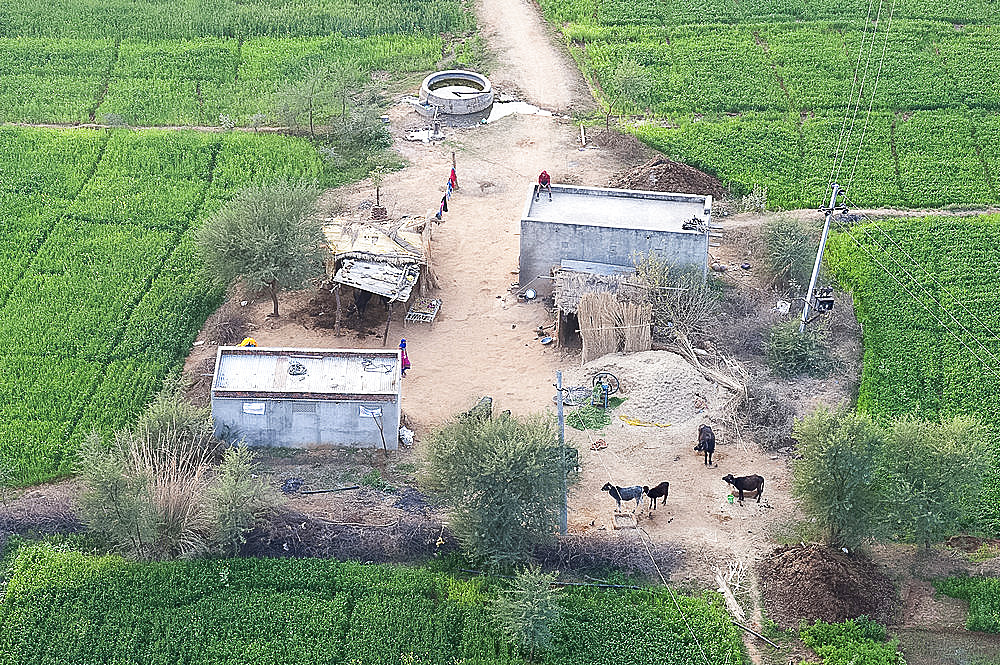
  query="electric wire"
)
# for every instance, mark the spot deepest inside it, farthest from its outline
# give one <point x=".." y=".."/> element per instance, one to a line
<point x="921" y="303"/>
<point x="931" y="296"/>
<point x="857" y="105"/>
<point x="918" y="265"/>
<point x="649" y="552"/>
<point x="850" y="98"/>
<point x="878" y="75"/>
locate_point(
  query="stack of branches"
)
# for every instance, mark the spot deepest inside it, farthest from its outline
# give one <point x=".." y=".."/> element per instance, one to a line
<point x="609" y="325"/>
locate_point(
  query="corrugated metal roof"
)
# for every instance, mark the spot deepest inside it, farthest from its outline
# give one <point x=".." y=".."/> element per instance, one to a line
<point x="399" y="242"/>
<point x="384" y="279"/>
<point x="329" y="373"/>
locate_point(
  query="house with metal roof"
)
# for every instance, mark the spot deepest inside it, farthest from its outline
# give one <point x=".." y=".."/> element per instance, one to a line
<point x="302" y="398"/>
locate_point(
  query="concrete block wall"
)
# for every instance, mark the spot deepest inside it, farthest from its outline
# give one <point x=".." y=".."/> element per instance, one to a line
<point x="545" y="244"/>
<point x="307" y="423"/>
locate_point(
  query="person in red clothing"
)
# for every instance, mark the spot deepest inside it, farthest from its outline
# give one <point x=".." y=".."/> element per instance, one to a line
<point x="544" y="184"/>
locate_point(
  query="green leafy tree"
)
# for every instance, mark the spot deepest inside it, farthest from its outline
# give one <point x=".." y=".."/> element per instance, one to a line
<point x="835" y="478"/>
<point x="316" y="96"/>
<point x="934" y="470"/>
<point x="266" y="236"/>
<point x="502" y="479"/>
<point x="239" y="498"/>
<point x="628" y="86"/>
<point x="527" y="610"/>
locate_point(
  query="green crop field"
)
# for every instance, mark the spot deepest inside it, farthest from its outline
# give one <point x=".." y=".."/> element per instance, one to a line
<point x="756" y="93"/>
<point x="155" y="63"/>
<point x="983" y="594"/>
<point x="100" y="294"/>
<point x="64" y="607"/>
<point x="925" y="294"/>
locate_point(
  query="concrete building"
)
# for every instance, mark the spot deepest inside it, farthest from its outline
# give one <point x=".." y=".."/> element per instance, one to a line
<point x="610" y="227"/>
<point x="300" y="398"/>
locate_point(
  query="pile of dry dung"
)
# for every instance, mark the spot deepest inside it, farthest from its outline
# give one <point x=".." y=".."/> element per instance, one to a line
<point x="816" y="582"/>
<point x="663" y="175"/>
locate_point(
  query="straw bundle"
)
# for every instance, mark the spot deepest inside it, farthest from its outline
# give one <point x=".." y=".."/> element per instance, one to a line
<point x="609" y="325"/>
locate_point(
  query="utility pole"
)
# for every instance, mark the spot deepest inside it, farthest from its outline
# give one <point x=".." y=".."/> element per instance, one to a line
<point x="819" y="255"/>
<point x="564" y="514"/>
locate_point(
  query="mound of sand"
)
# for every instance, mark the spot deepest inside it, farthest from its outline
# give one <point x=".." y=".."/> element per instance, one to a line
<point x="816" y="582"/>
<point x="659" y="386"/>
<point x="663" y="175"/>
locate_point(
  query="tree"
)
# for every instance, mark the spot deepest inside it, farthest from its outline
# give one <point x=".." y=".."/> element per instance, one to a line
<point x="628" y="83"/>
<point x="266" y="236"/>
<point x="502" y="479"/>
<point x="314" y="97"/>
<point x="934" y="470"/>
<point x="239" y="498"/>
<point x="527" y="610"/>
<point x="835" y="477"/>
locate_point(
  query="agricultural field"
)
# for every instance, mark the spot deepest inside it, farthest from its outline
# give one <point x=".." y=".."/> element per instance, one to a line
<point x="322" y="611"/>
<point x="156" y="64"/>
<point x="983" y="594"/>
<point x="926" y="297"/>
<point x="100" y="292"/>
<point x="757" y="93"/>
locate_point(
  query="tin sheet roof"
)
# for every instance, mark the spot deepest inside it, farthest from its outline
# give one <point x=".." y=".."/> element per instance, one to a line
<point x="384" y="279"/>
<point x="327" y="372"/>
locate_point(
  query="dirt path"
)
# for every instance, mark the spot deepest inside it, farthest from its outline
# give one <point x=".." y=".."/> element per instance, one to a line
<point x="529" y="61"/>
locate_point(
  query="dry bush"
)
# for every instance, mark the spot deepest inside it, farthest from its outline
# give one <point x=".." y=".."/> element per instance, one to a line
<point x="765" y="416"/>
<point x="410" y="538"/>
<point x="600" y="554"/>
<point x="229" y="324"/>
<point x="681" y="299"/>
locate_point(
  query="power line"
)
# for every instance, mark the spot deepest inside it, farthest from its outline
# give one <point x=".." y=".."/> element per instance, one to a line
<point x="871" y="102"/>
<point x="931" y="296"/>
<point x="850" y="98"/>
<point x="864" y="78"/>
<point x="917" y="264"/>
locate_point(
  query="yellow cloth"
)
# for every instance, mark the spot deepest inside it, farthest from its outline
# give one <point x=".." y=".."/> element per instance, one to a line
<point x="248" y="341"/>
<point x="641" y="423"/>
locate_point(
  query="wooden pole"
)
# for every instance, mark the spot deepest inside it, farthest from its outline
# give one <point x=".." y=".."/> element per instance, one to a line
<point x="336" y="325"/>
<point x="388" y="318"/>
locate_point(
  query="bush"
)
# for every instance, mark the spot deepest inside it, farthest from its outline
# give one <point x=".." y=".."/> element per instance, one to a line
<point x="502" y="479"/>
<point x="983" y="594"/>
<point x="791" y="353"/>
<point x="527" y="610"/>
<point x="789" y="253"/>
<point x="239" y="499"/>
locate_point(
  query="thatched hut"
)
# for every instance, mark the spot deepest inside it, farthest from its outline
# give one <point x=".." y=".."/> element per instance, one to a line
<point x="605" y="304"/>
<point x="387" y="259"/>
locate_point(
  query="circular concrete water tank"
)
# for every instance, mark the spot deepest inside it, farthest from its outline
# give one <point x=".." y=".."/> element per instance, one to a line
<point x="457" y="91"/>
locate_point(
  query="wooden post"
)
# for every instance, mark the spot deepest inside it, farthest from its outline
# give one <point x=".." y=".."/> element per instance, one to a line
<point x="336" y="325"/>
<point x="388" y="319"/>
